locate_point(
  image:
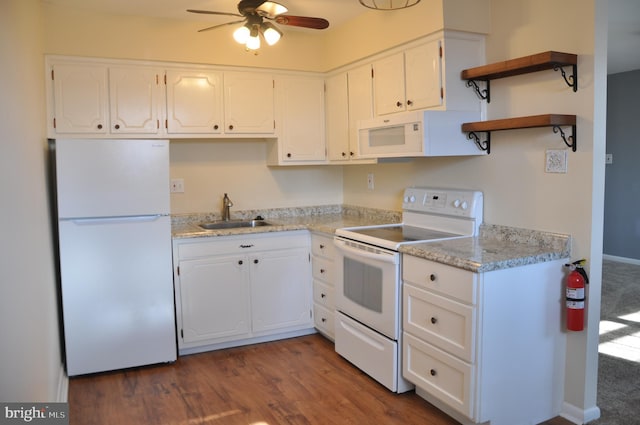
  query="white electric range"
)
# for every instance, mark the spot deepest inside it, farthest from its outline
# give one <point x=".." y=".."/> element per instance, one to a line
<point x="368" y="286"/>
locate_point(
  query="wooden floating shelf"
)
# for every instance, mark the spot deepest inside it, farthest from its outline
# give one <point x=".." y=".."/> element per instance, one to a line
<point x="548" y="120"/>
<point x="523" y="65"/>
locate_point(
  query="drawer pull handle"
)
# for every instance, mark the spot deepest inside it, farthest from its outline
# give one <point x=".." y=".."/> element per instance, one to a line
<point x="434" y="320"/>
<point x="433" y="372"/>
<point x="432" y="277"/>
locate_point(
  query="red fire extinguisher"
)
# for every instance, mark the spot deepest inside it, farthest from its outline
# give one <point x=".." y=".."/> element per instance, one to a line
<point x="576" y="281"/>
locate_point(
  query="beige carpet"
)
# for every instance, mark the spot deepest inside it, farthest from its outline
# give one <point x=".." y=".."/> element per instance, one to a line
<point x="619" y="360"/>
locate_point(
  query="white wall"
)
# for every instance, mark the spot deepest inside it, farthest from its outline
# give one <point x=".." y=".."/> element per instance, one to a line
<point x="31" y="368"/>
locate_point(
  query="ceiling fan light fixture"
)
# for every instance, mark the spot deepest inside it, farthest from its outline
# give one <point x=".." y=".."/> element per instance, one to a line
<point x="270" y="33"/>
<point x="241" y="35"/>
<point x="253" y="42"/>
<point x="388" y="4"/>
<point x="271" y="9"/>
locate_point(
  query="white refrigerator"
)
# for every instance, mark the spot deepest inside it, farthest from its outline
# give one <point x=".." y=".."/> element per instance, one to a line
<point x="114" y="238"/>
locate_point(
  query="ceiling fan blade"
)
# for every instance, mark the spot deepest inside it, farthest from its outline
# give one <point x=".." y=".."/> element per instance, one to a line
<point x="302" y="21"/>
<point x="208" y="12"/>
<point x="221" y="25"/>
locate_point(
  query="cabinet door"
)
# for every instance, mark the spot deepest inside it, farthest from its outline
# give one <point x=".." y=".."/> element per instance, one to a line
<point x="134" y="94"/>
<point x="281" y="290"/>
<point x="388" y="84"/>
<point x="80" y="98"/>
<point x="214" y="296"/>
<point x="423" y="76"/>
<point x="337" y="117"/>
<point x="248" y="103"/>
<point x="300" y="105"/>
<point x="194" y="102"/>
<point x="360" y="92"/>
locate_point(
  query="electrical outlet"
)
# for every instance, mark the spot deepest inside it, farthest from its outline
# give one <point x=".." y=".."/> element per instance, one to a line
<point x="370" y="182"/>
<point x="177" y="185"/>
<point x="556" y="161"/>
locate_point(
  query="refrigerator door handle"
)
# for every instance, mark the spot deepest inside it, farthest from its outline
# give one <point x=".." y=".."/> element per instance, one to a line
<point x="122" y="219"/>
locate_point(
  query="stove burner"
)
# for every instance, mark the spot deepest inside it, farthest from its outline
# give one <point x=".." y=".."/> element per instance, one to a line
<point x="403" y="233"/>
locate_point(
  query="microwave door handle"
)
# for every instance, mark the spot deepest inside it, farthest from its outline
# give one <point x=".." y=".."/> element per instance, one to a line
<point x="387" y="258"/>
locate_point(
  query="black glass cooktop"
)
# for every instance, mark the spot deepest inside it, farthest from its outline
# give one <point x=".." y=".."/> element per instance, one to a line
<point x="403" y="233"/>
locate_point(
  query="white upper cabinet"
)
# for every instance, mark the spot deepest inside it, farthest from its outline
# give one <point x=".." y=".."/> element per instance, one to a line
<point x="80" y="102"/>
<point x="299" y="121"/>
<point x="248" y="103"/>
<point x="194" y="102"/>
<point x="95" y="99"/>
<point x="134" y="99"/>
<point x="349" y="98"/>
<point x="408" y="80"/>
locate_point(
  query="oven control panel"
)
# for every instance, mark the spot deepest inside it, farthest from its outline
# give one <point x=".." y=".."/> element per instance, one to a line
<point x="454" y="202"/>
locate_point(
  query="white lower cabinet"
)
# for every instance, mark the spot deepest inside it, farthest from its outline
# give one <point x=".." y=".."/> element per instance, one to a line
<point x="233" y="290"/>
<point x="485" y="347"/>
<point x="323" y="266"/>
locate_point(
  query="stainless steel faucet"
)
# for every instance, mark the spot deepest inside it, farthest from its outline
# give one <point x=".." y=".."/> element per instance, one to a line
<point x="226" y="208"/>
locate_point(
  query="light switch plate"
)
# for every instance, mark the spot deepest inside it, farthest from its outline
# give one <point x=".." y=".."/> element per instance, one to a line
<point x="556" y="161"/>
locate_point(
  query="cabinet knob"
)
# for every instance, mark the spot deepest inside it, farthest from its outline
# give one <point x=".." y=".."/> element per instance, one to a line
<point x="433" y="372"/>
<point x="321" y="271"/>
<point x="321" y="246"/>
<point x="344" y="154"/>
<point x="432" y="277"/>
<point x="99" y="126"/>
<point x="409" y="102"/>
<point x="240" y="262"/>
<point x="117" y="126"/>
<point x="288" y="155"/>
<point x="434" y="320"/>
<point x="323" y="320"/>
<point x="230" y="127"/>
<point x="351" y="153"/>
<point x="398" y="104"/>
<point x="256" y="261"/>
<point x="322" y="295"/>
<point x="215" y="127"/>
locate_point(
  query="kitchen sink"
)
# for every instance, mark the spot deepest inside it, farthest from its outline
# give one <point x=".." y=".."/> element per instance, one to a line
<point x="233" y="224"/>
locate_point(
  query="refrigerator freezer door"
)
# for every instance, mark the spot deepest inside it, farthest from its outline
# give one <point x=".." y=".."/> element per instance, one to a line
<point x="105" y="178"/>
<point x="117" y="293"/>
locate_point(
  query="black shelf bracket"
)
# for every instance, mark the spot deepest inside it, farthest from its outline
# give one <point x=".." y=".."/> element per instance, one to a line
<point x="569" y="141"/>
<point x="571" y="80"/>
<point x="483" y="145"/>
<point x="482" y="94"/>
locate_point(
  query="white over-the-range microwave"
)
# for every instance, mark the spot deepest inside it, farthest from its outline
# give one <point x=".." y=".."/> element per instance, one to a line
<point x="417" y="133"/>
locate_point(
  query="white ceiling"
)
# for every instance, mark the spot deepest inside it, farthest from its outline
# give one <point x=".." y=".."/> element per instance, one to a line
<point x="624" y="18"/>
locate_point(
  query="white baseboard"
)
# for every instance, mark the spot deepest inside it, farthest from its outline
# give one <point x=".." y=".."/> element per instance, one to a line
<point x="63" y="386"/>
<point x="579" y="416"/>
<point x="621" y="259"/>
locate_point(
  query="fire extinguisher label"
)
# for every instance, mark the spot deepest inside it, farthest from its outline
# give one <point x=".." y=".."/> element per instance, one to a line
<point x="575" y="305"/>
<point x="575" y="293"/>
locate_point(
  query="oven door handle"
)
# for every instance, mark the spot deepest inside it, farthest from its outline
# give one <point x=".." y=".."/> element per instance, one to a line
<point x="387" y="257"/>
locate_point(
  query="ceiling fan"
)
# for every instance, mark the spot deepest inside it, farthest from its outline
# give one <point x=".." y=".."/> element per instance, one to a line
<point x="257" y="15"/>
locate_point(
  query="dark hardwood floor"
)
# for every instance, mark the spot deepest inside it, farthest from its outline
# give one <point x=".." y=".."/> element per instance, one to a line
<point x="295" y="381"/>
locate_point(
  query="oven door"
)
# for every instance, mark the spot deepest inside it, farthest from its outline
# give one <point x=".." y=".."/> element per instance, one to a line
<point x="368" y="285"/>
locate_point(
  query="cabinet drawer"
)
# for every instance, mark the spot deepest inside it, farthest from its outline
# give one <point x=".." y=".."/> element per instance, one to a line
<point x="217" y="245"/>
<point x="324" y="320"/>
<point x="445" y="323"/>
<point x="443" y="376"/>
<point x="446" y="280"/>
<point x="323" y="246"/>
<point x="323" y="270"/>
<point x="323" y="295"/>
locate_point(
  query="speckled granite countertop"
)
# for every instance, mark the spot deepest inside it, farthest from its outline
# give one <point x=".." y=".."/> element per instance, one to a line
<point x="496" y="247"/>
<point x="324" y="219"/>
